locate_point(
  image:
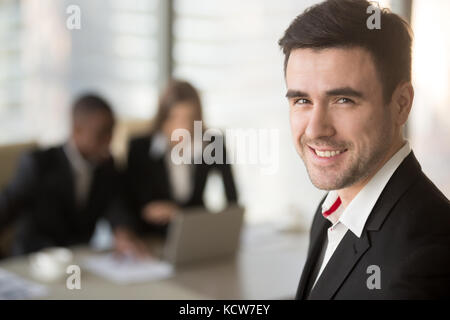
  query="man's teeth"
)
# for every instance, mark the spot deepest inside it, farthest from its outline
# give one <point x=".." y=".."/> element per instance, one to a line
<point x="327" y="154"/>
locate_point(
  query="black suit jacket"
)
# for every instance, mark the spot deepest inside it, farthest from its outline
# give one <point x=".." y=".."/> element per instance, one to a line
<point x="148" y="180"/>
<point x="407" y="236"/>
<point x="41" y="201"/>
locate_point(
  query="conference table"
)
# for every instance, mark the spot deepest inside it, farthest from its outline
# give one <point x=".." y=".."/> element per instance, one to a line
<point x="267" y="266"/>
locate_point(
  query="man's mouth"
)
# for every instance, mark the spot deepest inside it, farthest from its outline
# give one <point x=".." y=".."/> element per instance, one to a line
<point x="327" y="152"/>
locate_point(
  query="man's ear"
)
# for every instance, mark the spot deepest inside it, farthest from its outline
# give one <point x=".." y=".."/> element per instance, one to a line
<point x="402" y="102"/>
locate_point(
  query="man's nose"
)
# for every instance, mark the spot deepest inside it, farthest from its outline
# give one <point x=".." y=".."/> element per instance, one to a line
<point x="319" y="124"/>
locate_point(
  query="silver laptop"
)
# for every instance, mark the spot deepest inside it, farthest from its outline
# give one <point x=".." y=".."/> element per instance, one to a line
<point x="197" y="235"/>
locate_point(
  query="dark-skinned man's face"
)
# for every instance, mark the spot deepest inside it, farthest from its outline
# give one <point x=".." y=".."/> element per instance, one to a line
<point x="92" y="133"/>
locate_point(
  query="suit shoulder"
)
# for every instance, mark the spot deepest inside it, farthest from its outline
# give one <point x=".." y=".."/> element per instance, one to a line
<point x="425" y="208"/>
<point x="425" y="194"/>
<point x="140" y="142"/>
<point x="45" y="156"/>
<point x="39" y="161"/>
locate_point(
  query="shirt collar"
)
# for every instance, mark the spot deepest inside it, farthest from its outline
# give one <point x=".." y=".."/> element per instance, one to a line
<point x="77" y="161"/>
<point x="355" y="216"/>
<point x="158" y="145"/>
<point x="332" y="207"/>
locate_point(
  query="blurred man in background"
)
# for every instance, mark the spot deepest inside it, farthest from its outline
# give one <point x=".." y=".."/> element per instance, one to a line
<point x="58" y="194"/>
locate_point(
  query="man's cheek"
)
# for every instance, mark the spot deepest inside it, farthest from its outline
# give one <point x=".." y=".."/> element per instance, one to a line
<point x="297" y="125"/>
<point x="356" y="123"/>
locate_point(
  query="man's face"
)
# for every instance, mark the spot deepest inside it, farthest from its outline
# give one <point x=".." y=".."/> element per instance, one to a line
<point x="92" y="135"/>
<point x="341" y="127"/>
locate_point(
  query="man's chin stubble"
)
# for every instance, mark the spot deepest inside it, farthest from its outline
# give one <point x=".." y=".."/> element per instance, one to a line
<point x="332" y="185"/>
<point x="340" y="180"/>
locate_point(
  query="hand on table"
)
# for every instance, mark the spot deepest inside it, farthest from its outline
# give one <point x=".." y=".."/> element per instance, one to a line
<point x="159" y="212"/>
<point x="126" y="243"/>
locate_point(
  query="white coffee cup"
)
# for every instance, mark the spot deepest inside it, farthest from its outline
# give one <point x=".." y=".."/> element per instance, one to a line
<point x="50" y="264"/>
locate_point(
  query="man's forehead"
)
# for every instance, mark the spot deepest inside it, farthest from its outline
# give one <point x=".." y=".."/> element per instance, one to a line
<point x="330" y="67"/>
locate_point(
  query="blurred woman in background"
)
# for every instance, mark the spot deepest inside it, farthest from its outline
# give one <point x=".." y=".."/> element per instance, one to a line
<point x="158" y="187"/>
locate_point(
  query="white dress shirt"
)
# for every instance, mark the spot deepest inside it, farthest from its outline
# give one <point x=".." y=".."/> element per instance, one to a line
<point x="355" y="215"/>
<point x="180" y="175"/>
<point x="82" y="172"/>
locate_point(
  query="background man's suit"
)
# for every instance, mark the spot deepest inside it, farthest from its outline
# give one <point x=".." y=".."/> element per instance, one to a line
<point x="41" y="201"/>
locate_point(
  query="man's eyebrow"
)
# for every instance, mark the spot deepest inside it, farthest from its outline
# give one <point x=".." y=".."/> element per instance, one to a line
<point x="346" y="91"/>
<point x="295" y="94"/>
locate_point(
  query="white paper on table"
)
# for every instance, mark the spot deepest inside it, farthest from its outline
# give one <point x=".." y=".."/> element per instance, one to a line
<point x="14" y="287"/>
<point x="126" y="270"/>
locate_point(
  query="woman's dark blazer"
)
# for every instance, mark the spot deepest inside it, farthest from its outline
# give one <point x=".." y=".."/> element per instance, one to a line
<point x="147" y="180"/>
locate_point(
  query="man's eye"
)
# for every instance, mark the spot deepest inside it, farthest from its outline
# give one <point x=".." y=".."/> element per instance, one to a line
<point x="344" y="101"/>
<point x="301" y="101"/>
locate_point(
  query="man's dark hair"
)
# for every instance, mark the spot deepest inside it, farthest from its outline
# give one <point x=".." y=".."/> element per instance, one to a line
<point x="343" y="24"/>
<point x="90" y="103"/>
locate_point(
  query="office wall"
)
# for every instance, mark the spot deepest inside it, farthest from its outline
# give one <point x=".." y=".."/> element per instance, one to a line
<point x="430" y="118"/>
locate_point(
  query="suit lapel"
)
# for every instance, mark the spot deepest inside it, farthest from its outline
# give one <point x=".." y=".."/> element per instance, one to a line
<point x="318" y="234"/>
<point x="159" y="173"/>
<point x="347" y="254"/>
<point x="95" y="186"/>
<point x="399" y="183"/>
<point x="198" y="176"/>
<point x="67" y="177"/>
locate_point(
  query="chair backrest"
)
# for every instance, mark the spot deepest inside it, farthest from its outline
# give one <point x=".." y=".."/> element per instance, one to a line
<point x="9" y="156"/>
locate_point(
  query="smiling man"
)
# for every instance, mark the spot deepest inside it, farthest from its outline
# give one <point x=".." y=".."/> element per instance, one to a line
<point x="383" y="230"/>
